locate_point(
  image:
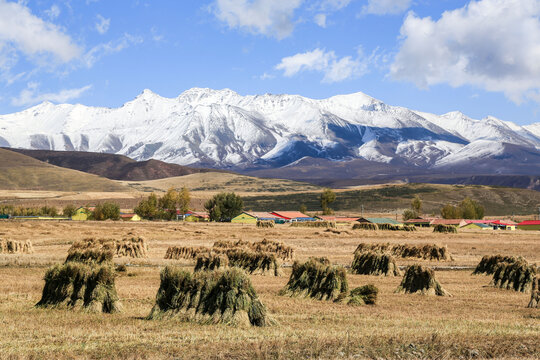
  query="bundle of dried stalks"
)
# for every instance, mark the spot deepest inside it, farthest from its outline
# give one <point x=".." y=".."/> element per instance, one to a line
<point x="535" y="294"/>
<point x="81" y="286"/>
<point x="374" y="263"/>
<point x="517" y="276"/>
<point x="317" y="280"/>
<point x="420" y="279"/>
<point x="211" y="261"/>
<point x="426" y="252"/>
<point x="489" y="262"/>
<point x="365" y="226"/>
<point x="281" y="250"/>
<point x="135" y="247"/>
<point x="265" y="224"/>
<point x="445" y="229"/>
<point x="15" y="247"/>
<point x="209" y="297"/>
<point x="185" y="252"/>
<point x="254" y="262"/>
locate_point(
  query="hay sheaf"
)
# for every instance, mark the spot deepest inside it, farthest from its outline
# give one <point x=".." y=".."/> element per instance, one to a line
<point x="185" y="252"/>
<point x="94" y="255"/>
<point x="254" y="262"/>
<point x="365" y="226"/>
<point x="517" y="276"/>
<point x="374" y="263"/>
<point x="317" y="280"/>
<point x="363" y="295"/>
<point x="135" y="247"/>
<point x="281" y="250"/>
<point x="445" y="229"/>
<point x="426" y="252"/>
<point x="209" y="297"/>
<point x="16" y="247"/>
<point x="535" y="294"/>
<point x="81" y="286"/>
<point x="211" y="262"/>
<point x="265" y="224"/>
<point x="489" y="262"/>
<point x="420" y="279"/>
<point x="314" y="224"/>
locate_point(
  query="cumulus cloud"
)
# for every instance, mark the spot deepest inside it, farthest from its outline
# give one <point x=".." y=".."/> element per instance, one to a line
<point x="53" y="12"/>
<point x="32" y="35"/>
<point x="267" y="17"/>
<point x="334" y="4"/>
<point x="490" y="44"/>
<point x="335" y="69"/>
<point x="386" y="7"/>
<point x="320" y="19"/>
<point x="31" y="95"/>
<point x="102" y="24"/>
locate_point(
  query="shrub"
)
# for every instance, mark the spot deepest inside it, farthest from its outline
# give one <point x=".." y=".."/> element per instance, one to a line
<point x="80" y="286"/>
<point x="209" y="297"/>
<point x="373" y="263"/>
<point x="420" y="279"/>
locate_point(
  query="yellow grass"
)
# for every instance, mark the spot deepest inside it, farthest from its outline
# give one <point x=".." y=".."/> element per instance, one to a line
<point x="477" y="321"/>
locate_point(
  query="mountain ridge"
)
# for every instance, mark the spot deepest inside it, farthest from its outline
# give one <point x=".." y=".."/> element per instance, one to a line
<point x="222" y="129"/>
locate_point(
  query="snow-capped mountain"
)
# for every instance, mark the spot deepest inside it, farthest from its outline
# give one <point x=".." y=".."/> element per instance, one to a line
<point x="220" y="128"/>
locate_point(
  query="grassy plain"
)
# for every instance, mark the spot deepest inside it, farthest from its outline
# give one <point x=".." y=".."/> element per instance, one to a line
<point x="477" y="322"/>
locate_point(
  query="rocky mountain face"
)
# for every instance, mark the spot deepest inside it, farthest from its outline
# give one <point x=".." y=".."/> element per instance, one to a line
<point x="222" y="129"/>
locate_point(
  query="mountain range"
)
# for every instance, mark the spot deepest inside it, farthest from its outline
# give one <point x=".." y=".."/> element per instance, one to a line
<point x="267" y="134"/>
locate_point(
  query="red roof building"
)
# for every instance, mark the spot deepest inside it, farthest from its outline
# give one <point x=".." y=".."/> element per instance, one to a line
<point x="529" y="225"/>
<point x="291" y="215"/>
<point x="455" y="222"/>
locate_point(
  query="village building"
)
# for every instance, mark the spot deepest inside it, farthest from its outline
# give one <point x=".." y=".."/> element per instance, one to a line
<point x="81" y="214"/>
<point x="252" y="217"/>
<point x="193" y="216"/>
<point x="529" y="225"/>
<point x="337" y="219"/>
<point x="292" y="216"/>
<point x="379" y="221"/>
<point x="130" y="217"/>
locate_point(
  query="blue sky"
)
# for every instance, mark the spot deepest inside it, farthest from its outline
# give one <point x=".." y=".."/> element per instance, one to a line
<point x="478" y="57"/>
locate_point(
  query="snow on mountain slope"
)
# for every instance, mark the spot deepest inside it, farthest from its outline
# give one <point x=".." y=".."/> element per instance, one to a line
<point x="221" y="128"/>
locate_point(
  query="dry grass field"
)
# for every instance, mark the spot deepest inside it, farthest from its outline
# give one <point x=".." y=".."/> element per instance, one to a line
<point x="477" y="322"/>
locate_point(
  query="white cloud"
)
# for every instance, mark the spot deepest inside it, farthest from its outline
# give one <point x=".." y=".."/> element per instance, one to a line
<point x="33" y="36"/>
<point x="386" y="7"/>
<point x="267" y="17"/>
<point x="98" y="51"/>
<point x="53" y="12"/>
<point x="102" y="25"/>
<point x="31" y="95"/>
<point x="334" y="4"/>
<point x="326" y="62"/>
<point x="490" y="44"/>
<point x="267" y="76"/>
<point x="320" y="19"/>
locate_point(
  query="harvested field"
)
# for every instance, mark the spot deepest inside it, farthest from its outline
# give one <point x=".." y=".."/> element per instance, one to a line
<point x="479" y="320"/>
<point x="209" y="297"/>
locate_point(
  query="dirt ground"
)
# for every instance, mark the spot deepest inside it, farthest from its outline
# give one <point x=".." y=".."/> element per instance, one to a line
<point x="478" y="321"/>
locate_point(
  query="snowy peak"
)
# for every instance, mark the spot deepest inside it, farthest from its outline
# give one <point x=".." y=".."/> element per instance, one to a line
<point x="220" y="128"/>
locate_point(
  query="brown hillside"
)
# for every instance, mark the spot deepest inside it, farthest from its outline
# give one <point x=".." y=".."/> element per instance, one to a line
<point x="21" y="172"/>
<point x="111" y="166"/>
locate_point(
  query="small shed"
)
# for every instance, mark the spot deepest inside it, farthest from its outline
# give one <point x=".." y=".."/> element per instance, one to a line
<point x="81" y="214"/>
<point x="244" y="218"/>
<point x="529" y="225"/>
<point x="130" y="217"/>
<point x="292" y="216"/>
<point x="195" y="216"/>
<point x="477" y="226"/>
<point x="419" y="222"/>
